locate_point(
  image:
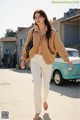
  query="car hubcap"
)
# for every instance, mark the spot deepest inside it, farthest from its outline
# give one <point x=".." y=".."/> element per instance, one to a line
<point x="57" y="79"/>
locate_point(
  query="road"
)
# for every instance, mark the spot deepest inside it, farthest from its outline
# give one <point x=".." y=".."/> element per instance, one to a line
<point x="16" y="98"/>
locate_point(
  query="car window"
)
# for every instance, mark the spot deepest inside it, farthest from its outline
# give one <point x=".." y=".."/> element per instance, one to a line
<point x="73" y="54"/>
<point x="70" y="54"/>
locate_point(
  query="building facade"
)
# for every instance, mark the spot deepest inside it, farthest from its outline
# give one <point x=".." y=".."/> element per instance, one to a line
<point x="68" y="28"/>
<point x="20" y="41"/>
<point x="7" y="47"/>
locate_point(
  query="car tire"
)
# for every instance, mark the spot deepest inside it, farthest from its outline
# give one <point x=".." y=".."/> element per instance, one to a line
<point x="58" y="79"/>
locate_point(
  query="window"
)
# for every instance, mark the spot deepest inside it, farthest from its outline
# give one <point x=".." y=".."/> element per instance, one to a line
<point x="22" y="42"/>
<point x="0" y="49"/>
<point x="8" y="51"/>
<point x="73" y="54"/>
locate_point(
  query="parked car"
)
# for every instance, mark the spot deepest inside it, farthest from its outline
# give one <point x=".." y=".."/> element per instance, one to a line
<point x="61" y="70"/>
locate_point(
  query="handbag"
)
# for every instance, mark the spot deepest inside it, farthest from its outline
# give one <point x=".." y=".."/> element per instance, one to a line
<point x="30" y="45"/>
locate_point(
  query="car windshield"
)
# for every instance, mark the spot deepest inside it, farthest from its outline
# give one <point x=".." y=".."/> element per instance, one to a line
<point x="70" y="54"/>
<point x="73" y="54"/>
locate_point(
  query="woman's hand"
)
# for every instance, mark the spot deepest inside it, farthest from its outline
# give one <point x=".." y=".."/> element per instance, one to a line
<point x="22" y="65"/>
<point x="71" y="65"/>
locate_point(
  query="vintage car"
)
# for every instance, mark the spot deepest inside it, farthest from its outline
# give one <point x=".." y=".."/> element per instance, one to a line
<point x="61" y="70"/>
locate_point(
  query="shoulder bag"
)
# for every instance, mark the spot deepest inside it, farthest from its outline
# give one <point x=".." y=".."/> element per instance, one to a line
<point x="30" y="45"/>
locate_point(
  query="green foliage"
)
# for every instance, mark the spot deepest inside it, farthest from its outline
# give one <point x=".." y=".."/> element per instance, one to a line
<point x="10" y="33"/>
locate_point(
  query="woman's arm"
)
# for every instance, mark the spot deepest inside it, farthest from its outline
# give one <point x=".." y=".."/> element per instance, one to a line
<point x="61" y="49"/>
<point x="24" y="53"/>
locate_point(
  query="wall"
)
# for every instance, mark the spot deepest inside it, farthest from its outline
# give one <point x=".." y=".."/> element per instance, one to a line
<point x="8" y="45"/>
<point x="1" y="51"/>
<point x="59" y="27"/>
<point x="71" y="34"/>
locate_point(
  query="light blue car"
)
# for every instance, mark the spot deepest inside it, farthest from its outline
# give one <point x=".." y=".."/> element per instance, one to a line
<point x="61" y="70"/>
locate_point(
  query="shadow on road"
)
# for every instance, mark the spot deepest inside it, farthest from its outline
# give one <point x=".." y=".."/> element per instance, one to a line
<point x="70" y="89"/>
<point x="46" y="116"/>
<point x="21" y="71"/>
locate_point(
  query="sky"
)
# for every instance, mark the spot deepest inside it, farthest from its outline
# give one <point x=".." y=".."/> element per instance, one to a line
<point x="19" y="13"/>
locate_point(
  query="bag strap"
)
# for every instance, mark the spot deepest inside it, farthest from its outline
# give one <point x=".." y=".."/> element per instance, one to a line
<point x="32" y="32"/>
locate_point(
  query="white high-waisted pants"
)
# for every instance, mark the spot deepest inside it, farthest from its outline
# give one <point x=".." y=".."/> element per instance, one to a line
<point x="40" y="71"/>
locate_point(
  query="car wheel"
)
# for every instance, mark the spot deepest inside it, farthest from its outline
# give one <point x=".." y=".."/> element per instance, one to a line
<point x="58" y="79"/>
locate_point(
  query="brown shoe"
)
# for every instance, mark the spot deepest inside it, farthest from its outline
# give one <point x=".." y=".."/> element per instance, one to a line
<point x="36" y="117"/>
<point x="45" y="105"/>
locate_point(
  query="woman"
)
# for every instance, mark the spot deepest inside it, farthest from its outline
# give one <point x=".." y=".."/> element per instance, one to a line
<point x="46" y="44"/>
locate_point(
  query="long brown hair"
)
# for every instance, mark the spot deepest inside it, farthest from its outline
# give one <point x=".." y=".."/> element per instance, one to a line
<point x="46" y="21"/>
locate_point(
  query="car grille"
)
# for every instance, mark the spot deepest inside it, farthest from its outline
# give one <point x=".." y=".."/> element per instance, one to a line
<point x="77" y="73"/>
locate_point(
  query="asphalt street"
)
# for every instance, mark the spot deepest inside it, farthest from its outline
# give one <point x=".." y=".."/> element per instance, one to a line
<point x="16" y="98"/>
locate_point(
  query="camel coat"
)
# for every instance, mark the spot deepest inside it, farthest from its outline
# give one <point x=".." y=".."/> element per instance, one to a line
<point x="48" y="48"/>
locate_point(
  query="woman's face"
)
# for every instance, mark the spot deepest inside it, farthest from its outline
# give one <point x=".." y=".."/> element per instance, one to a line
<point x="39" y="19"/>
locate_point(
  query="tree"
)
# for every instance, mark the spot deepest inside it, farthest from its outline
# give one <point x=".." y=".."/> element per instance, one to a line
<point x="10" y="33"/>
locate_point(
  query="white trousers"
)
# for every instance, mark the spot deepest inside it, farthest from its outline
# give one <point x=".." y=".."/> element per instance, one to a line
<point x="41" y="72"/>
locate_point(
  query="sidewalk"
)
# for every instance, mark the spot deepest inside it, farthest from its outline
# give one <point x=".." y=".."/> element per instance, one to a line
<point x="16" y="97"/>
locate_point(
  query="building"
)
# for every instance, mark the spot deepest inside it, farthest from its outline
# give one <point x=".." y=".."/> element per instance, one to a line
<point x="7" y="47"/>
<point x="22" y="34"/>
<point x="68" y="28"/>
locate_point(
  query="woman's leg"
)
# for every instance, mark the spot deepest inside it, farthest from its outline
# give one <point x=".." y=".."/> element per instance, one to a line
<point x="46" y="73"/>
<point x="36" y="73"/>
